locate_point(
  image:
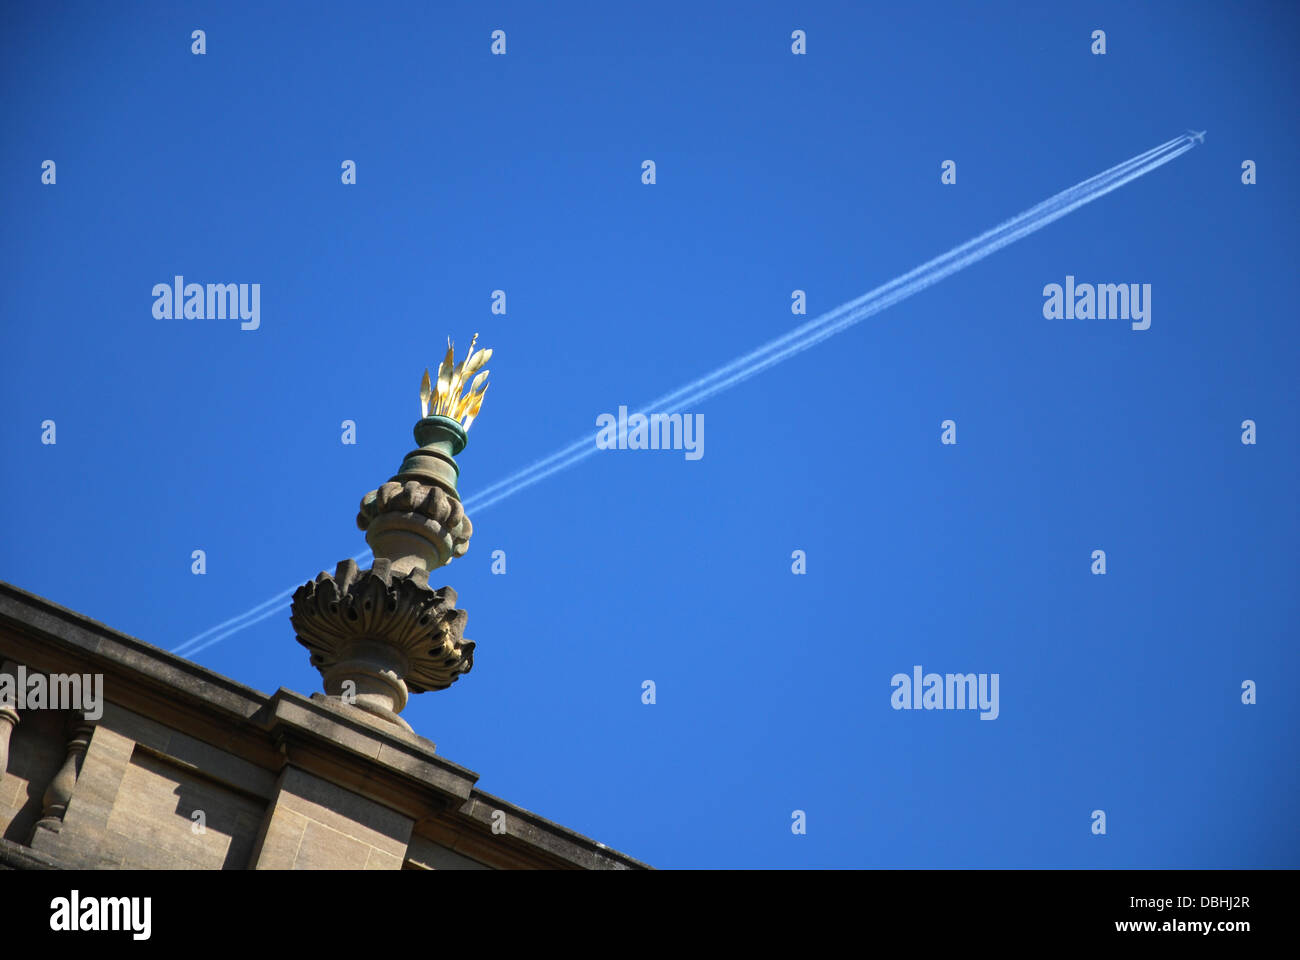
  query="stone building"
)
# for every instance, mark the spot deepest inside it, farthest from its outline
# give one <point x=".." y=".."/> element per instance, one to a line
<point x="175" y="766"/>
<point x="276" y="782"/>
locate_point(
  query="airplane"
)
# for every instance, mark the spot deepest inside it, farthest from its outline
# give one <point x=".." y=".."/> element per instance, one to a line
<point x="1198" y="137"/>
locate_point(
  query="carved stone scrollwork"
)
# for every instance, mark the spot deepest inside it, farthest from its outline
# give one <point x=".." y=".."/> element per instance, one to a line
<point x="376" y="634"/>
<point x="416" y="525"/>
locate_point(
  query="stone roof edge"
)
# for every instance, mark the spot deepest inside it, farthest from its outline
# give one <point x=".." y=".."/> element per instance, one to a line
<point x="24" y="609"/>
<point x="566" y="836"/>
<point x="31" y="612"/>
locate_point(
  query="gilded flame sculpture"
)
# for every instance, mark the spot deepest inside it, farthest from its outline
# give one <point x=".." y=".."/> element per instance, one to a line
<point x="445" y="395"/>
<point x="378" y="634"/>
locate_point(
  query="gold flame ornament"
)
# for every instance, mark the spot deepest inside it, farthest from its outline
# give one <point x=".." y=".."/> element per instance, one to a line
<point x="442" y="398"/>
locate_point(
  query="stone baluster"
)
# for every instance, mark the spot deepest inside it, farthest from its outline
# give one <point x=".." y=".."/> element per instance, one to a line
<point x="59" y="792"/>
<point x="8" y="718"/>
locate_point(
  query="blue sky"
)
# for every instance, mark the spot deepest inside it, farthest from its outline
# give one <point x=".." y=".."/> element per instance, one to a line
<point x="774" y="172"/>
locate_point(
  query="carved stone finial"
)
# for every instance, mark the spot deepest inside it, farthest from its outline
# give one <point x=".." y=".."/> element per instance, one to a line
<point x="378" y="635"/>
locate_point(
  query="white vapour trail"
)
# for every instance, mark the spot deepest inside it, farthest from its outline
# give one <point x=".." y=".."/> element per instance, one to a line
<point x="783" y="347"/>
<point x="249" y="617"/>
<point x="1041" y="214"/>
<point x="846" y="315"/>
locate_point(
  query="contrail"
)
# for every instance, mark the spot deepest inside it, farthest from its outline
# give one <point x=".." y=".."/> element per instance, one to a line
<point x="840" y="318"/>
<point x="781" y="348"/>
<point x="246" y="619"/>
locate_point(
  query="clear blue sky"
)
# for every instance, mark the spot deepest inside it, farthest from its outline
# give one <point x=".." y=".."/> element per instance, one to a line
<point x="775" y="172"/>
